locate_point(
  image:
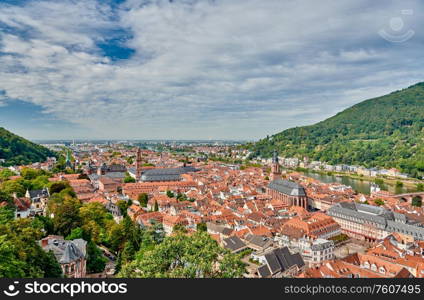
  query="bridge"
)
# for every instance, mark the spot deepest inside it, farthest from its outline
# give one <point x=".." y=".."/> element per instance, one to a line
<point x="408" y="197"/>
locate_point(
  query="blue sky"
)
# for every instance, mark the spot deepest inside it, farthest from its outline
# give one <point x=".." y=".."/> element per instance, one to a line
<point x="198" y="69"/>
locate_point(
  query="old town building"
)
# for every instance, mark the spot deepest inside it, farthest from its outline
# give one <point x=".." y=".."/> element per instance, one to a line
<point x="71" y="255"/>
<point x="373" y="223"/>
<point x="291" y="193"/>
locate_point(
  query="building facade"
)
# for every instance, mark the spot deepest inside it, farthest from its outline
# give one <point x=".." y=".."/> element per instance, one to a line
<point x="291" y="193"/>
<point x="372" y="223"/>
<point x="71" y="255"/>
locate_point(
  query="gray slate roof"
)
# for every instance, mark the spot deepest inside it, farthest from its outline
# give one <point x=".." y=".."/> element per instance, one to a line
<point x="382" y="218"/>
<point x="166" y="174"/>
<point x="280" y="260"/>
<point x="212" y="227"/>
<point x="38" y="193"/>
<point x="67" y="251"/>
<point x="260" y="241"/>
<point x="287" y="187"/>
<point x="234" y="243"/>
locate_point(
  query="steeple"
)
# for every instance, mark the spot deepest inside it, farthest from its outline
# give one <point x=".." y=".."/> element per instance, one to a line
<point x="275" y="157"/>
<point x="68" y="162"/>
<point x="275" y="169"/>
<point x="138" y="163"/>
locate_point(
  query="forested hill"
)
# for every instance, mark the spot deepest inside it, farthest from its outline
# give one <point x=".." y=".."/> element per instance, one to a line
<point x="17" y="150"/>
<point x="387" y="131"/>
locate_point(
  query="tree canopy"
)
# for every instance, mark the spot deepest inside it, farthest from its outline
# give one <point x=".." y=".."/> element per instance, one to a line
<point x="185" y="256"/>
<point x="19" y="151"/>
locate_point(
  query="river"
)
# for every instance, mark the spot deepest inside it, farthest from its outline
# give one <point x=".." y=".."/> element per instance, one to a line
<point x="361" y="186"/>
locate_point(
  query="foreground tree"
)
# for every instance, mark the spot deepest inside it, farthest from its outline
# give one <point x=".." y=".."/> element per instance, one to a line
<point x="182" y="256"/>
<point x="66" y="216"/>
<point x="21" y="255"/>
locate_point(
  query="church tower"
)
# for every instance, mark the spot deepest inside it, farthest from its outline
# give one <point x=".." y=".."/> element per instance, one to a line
<point x="275" y="169"/>
<point x="68" y="162"/>
<point x="138" y="163"/>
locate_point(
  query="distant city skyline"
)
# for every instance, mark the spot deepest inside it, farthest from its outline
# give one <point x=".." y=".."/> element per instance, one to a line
<point x="198" y="69"/>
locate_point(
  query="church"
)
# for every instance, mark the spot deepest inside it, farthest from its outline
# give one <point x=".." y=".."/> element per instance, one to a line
<point x="290" y="192"/>
<point x="158" y="174"/>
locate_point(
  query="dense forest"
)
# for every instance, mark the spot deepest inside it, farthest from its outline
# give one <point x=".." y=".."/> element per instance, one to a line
<point x="16" y="150"/>
<point x="387" y="131"/>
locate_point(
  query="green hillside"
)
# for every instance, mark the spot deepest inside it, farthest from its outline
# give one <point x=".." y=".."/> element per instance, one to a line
<point x="387" y="131"/>
<point x="19" y="151"/>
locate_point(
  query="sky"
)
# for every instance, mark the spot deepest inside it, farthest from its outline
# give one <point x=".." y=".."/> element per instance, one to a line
<point x="198" y="69"/>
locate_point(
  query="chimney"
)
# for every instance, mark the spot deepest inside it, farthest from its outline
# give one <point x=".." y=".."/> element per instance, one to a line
<point x="44" y="242"/>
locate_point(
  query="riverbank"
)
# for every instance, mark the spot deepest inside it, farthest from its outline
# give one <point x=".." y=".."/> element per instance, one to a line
<point x="407" y="182"/>
<point x="363" y="184"/>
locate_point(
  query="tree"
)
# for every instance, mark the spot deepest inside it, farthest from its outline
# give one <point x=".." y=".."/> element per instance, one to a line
<point x="379" y="202"/>
<point x="76" y="233"/>
<point x="202" y="227"/>
<point x="170" y="194"/>
<point x="96" y="262"/>
<point x="178" y="228"/>
<point x="126" y="255"/>
<point x="5" y="197"/>
<point x="156" y="208"/>
<point x="6" y="173"/>
<point x="58" y="186"/>
<point x="10" y="264"/>
<point x="40" y="182"/>
<point x="115" y="237"/>
<point x="66" y="216"/>
<point x="417" y="201"/>
<point x="123" y="206"/>
<point x="7" y="214"/>
<point x="13" y="186"/>
<point x="47" y="224"/>
<point x="128" y="178"/>
<point x="20" y="253"/>
<point x="182" y="256"/>
<point x="51" y="267"/>
<point x="143" y="198"/>
<point x="30" y="174"/>
<point x="93" y="211"/>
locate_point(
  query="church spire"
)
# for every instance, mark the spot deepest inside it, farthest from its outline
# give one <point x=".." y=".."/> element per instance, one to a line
<point x="275" y="169"/>
<point x="68" y="162"/>
<point x="275" y="157"/>
<point x="138" y="163"/>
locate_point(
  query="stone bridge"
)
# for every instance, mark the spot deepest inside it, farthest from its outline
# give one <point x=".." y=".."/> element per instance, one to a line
<point x="408" y="197"/>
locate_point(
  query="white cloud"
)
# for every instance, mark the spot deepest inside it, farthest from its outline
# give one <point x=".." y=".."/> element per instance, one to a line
<point x="202" y="68"/>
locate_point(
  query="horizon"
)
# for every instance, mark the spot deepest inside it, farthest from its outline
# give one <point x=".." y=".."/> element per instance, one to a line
<point x="197" y="70"/>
